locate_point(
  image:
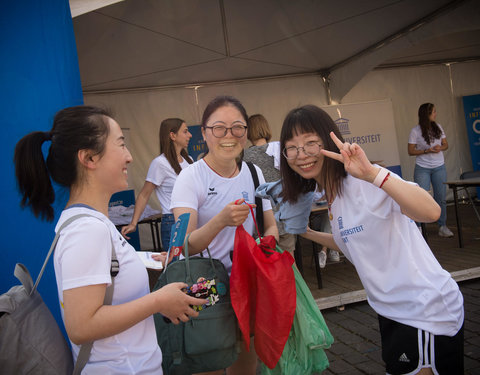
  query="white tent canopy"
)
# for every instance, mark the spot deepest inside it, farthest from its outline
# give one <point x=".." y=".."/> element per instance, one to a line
<point x="150" y="43"/>
<point x="151" y="59"/>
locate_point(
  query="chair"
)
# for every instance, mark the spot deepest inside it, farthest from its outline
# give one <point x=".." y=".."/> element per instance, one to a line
<point x="467" y="175"/>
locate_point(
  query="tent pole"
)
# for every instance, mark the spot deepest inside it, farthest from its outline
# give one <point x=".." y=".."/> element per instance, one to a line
<point x="326" y="83"/>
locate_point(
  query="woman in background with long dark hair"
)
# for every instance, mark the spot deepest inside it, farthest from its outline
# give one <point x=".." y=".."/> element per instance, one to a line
<point x="162" y="173"/>
<point x="427" y="141"/>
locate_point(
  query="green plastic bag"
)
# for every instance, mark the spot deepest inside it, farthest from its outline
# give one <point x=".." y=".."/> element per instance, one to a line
<point x="304" y="351"/>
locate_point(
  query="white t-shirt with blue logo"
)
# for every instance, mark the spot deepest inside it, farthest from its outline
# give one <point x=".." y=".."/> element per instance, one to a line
<point x="199" y="188"/>
<point x="401" y="276"/>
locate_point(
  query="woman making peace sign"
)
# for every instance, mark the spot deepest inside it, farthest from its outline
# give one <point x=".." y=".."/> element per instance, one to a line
<point x="373" y="214"/>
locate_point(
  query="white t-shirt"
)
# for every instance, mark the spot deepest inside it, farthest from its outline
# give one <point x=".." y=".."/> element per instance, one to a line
<point x="432" y="159"/>
<point x="403" y="279"/>
<point x="199" y="188"/>
<point x="83" y="257"/>
<point x="161" y="174"/>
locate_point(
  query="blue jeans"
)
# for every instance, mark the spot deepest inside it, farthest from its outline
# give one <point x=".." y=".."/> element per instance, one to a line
<point x="166" y="229"/>
<point x="436" y="176"/>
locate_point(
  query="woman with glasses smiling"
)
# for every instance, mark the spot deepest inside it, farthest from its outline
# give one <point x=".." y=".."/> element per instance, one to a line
<point x="212" y="190"/>
<point x="372" y="214"/>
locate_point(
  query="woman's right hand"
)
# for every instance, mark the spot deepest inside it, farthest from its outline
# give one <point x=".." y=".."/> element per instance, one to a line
<point x="175" y="304"/>
<point x="235" y="213"/>
<point x="128" y="229"/>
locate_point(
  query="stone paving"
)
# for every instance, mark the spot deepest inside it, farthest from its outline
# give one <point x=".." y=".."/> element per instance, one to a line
<point x="357" y="346"/>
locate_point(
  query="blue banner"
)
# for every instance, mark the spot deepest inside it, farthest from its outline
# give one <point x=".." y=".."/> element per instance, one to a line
<point x="196" y="146"/>
<point x="471" y="107"/>
<point x="39" y="75"/>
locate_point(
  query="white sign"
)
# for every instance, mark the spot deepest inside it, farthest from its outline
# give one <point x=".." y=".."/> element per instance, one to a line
<point x="370" y="125"/>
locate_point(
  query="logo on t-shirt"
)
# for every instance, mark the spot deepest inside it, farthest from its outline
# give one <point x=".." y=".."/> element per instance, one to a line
<point x="122" y="240"/>
<point x="350" y="231"/>
<point x="245" y="195"/>
<point x="211" y="191"/>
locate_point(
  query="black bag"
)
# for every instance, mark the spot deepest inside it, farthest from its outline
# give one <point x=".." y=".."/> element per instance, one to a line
<point x="205" y="343"/>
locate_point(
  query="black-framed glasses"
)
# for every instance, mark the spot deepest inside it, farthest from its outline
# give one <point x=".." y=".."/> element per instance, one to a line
<point x="311" y="148"/>
<point x="221" y="131"/>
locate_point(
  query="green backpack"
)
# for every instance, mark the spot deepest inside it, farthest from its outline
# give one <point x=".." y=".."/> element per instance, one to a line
<point x="209" y="341"/>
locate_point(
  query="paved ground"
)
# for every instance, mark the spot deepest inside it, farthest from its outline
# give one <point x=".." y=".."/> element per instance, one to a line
<point x="357" y="348"/>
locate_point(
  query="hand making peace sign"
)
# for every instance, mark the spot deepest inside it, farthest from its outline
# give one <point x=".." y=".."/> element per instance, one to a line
<point x="353" y="158"/>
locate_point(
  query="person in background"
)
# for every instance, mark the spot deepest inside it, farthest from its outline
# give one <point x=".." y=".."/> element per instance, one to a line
<point x="88" y="156"/>
<point x="372" y="213"/>
<point x="212" y="191"/>
<point x="320" y="222"/>
<point x="259" y="133"/>
<point x="426" y="142"/>
<point x="162" y="173"/>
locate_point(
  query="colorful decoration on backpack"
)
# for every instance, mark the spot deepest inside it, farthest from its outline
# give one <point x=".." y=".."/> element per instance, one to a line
<point x="204" y="289"/>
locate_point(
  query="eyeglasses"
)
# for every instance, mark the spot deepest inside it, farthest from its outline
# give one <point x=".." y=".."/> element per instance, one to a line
<point x="311" y="148"/>
<point x="221" y="131"/>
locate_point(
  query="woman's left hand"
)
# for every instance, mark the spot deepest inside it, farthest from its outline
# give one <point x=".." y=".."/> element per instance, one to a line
<point x="436" y="149"/>
<point x="353" y="158"/>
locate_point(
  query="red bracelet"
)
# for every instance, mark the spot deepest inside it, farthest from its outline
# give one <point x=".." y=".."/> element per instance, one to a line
<point x="385" y="179"/>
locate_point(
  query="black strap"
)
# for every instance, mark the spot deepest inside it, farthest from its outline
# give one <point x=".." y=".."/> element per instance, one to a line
<point x="258" y="201"/>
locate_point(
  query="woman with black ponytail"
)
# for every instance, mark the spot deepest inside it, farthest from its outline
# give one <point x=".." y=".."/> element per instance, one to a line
<point x="88" y="156"/>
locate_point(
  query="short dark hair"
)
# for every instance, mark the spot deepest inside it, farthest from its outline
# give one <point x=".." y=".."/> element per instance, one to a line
<point x="310" y="119"/>
<point x="223" y="101"/>
<point x="74" y="128"/>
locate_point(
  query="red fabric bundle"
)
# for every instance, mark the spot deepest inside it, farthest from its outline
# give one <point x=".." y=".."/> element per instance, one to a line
<point x="263" y="294"/>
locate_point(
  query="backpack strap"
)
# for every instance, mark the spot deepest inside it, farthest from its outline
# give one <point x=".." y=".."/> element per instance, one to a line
<point x="85" y="349"/>
<point x="258" y="201"/>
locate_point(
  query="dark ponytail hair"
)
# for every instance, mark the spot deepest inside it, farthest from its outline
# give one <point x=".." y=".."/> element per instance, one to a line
<point x="167" y="146"/>
<point x="430" y="129"/>
<point x="74" y="128"/>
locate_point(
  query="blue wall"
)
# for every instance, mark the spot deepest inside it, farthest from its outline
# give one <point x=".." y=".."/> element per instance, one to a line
<point x="39" y="75"/>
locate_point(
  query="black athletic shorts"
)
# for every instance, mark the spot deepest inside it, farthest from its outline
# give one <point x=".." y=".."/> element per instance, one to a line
<point x="406" y="350"/>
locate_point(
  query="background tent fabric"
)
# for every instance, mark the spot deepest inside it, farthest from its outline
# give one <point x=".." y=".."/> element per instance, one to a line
<point x="39" y="75"/>
<point x="149" y="60"/>
<point x="149" y="43"/>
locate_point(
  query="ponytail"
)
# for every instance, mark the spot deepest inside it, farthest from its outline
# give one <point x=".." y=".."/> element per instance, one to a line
<point x="74" y="128"/>
<point x="32" y="175"/>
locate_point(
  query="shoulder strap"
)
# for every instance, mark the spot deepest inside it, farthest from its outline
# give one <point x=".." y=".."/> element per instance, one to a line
<point x="52" y="247"/>
<point x="258" y="201"/>
<point x="85" y="349"/>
